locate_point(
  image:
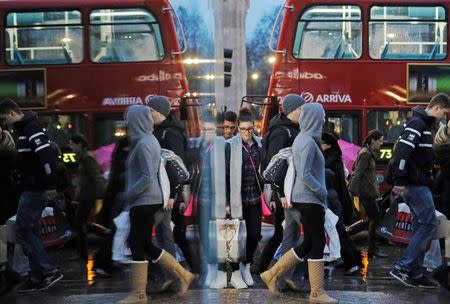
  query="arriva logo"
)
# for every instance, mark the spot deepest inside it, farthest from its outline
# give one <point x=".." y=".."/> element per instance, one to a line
<point x="327" y="98"/>
<point x="121" y="101"/>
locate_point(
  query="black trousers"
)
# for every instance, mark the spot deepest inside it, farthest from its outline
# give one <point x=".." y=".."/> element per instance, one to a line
<point x="81" y="219"/>
<point x="275" y="241"/>
<point x="140" y="238"/>
<point x="313" y="220"/>
<point x="179" y="236"/>
<point x="252" y="217"/>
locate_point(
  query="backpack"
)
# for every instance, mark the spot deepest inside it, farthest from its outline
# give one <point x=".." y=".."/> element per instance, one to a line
<point x="265" y="146"/>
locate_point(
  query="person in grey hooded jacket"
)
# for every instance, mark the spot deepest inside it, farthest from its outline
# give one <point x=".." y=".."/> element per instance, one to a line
<point x="309" y="196"/>
<point x="144" y="197"/>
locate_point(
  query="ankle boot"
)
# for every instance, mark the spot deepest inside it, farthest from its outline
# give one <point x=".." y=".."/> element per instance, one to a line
<point x="220" y="280"/>
<point x="167" y="261"/>
<point x="246" y="274"/>
<point x="286" y="262"/>
<point x="138" y="294"/>
<point x="318" y="294"/>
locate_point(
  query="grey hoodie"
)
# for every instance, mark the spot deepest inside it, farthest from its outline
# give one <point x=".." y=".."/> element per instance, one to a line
<point x="309" y="185"/>
<point x="142" y="183"/>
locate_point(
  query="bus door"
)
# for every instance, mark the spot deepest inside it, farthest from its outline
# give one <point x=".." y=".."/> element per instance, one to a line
<point x="345" y="125"/>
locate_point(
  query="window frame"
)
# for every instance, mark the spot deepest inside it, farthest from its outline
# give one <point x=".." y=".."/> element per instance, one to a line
<point x="157" y="21"/>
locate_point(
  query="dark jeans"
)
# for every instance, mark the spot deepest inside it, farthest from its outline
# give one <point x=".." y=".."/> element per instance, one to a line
<point x="275" y="241"/>
<point x="313" y="220"/>
<point x="373" y="213"/>
<point x="28" y="229"/>
<point x="82" y="217"/>
<point x="252" y="217"/>
<point x="141" y="226"/>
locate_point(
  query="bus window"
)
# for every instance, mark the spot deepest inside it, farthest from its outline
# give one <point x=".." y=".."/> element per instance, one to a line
<point x="60" y="128"/>
<point x="344" y="126"/>
<point x="407" y="32"/>
<point x="109" y="129"/>
<point x="329" y="32"/>
<point x="389" y="122"/>
<point x="37" y="38"/>
<point x="125" y="35"/>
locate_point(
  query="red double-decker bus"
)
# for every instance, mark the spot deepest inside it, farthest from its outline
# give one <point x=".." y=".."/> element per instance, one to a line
<point x="368" y="62"/>
<point x="81" y="63"/>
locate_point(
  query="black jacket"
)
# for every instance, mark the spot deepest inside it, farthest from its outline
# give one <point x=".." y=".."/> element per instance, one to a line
<point x="413" y="157"/>
<point x="282" y="132"/>
<point x="36" y="158"/>
<point x="333" y="161"/>
<point x="171" y="135"/>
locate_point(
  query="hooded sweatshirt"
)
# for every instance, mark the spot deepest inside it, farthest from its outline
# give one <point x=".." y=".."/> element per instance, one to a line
<point x="309" y="185"/>
<point x="142" y="183"/>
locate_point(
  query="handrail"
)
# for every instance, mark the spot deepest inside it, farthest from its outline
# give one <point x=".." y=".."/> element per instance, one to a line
<point x="164" y="10"/>
<point x="284" y="6"/>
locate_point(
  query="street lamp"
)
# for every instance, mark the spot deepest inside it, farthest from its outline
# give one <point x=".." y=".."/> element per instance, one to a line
<point x="272" y="59"/>
<point x="255" y="76"/>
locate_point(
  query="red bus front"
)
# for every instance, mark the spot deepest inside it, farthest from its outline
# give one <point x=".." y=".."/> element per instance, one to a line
<point x="80" y="64"/>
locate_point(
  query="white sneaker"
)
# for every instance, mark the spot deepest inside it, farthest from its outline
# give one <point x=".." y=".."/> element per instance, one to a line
<point x="220" y="281"/>
<point x="211" y="274"/>
<point x="237" y="281"/>
<point x="246" y="274"/>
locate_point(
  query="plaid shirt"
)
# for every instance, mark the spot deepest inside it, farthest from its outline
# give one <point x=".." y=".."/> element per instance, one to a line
<point x="250" y="192"/>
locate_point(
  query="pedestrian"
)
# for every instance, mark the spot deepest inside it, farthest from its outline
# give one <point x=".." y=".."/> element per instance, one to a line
<point x="243" y="158"/>
<point x="309" y="197"/>
<point x="144" y="198"/>
<point x="8" y="181"/>
<point x="209" y="154"/>
<point x="229" y="124"/>
<point x="35" y="163"/>
<point x="112" y="206"/>
<point x="171" y="135"/>
<point x="441" y="181"/>
<point x="283" y="128"/>
<point x="363" y="184"/>
<point x="412" y="174"/>
<point x="86" y="190"/>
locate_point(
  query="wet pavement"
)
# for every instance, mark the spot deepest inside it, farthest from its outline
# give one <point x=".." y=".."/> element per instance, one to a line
<point x="373" y="285"/>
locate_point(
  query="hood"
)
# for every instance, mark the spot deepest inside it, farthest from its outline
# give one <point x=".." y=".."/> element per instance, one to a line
<point x="422" y="114"/>
<point x="27" y="117"/>
<point x="171" y="121"/>
<point x="281" y="120"/>
<point x="312" y="119"/>
<point x="139" y="122"/>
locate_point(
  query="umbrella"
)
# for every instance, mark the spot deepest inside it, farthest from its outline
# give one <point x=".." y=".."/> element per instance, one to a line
<point x="349" y="153"/>
<point x="103" y="156"/>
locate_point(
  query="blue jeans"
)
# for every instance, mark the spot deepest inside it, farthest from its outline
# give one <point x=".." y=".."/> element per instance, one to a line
<point x="420" y="201"/>
<point x="291" y="239"/>
<point x="28" y="230"/>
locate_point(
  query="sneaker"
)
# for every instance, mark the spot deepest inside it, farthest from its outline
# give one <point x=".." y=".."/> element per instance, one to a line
<point x="49" y="280"/>
<point x="27" y="285"/>
<point x="402" y="276"/>
<point x="423" y="282"/>
<point x="103" y="273"/>
<point x="246" y="274"/>
<point x="236" y="280"/>
<point x="352" y="270"/>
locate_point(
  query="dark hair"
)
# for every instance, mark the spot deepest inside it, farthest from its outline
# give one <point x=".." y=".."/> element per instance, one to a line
<point x="373" y="134"/>
<point x="79" y="139"/>
<point x="230" y="116"/>
<point x="7" y="105"/>
<point x="331" y="140"/>
<point x="208" y="116"/>
<point x="245" y="115"/>
<point x="440" y="99"/>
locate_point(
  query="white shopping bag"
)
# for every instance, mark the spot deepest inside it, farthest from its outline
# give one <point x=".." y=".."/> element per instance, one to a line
<point x="120" y="251"/>
<point x="332" y="250"/>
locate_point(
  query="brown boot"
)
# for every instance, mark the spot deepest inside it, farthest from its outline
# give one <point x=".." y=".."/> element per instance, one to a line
<point x="138" y="294"/>
<point x="318" y="294"/>
<point x="171" y="264"/>
<point x="286" y="262"/>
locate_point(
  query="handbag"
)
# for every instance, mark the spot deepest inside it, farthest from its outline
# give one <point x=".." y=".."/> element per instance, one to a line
<point x="275" y="172"/>
<point x="264" y="207"/>
<point x="228" y="238"/>
<point x="175" y="169"/>
<point x="120" y="250"/>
